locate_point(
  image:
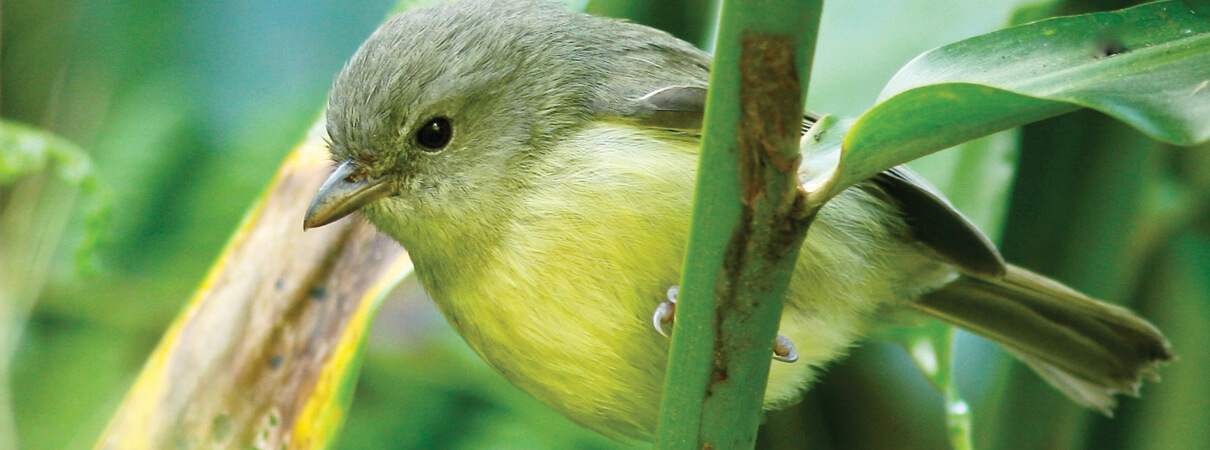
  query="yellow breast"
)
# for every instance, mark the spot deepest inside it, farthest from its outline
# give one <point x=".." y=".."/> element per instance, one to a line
<point x="561" y="306"/>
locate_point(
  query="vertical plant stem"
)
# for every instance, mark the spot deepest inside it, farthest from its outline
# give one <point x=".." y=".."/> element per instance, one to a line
<point x="1078" y="200"/>
<point x="40" y="177"/>
<point x="749" y="221"/>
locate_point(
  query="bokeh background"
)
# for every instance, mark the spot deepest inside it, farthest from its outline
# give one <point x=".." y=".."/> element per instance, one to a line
<point x="186" y="109"/>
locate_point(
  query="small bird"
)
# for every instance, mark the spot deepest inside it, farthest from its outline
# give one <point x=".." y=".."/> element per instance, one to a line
<point x="539" y="165"/>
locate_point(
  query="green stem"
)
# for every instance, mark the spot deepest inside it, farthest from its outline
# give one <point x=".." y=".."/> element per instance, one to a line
<point x="749" y="220"/>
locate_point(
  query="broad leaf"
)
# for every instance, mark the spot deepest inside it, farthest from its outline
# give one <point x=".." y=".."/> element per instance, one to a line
<point x="1148" y="66"/>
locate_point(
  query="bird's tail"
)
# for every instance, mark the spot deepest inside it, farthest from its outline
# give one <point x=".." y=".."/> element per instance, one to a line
<point x="1086" y="348"/>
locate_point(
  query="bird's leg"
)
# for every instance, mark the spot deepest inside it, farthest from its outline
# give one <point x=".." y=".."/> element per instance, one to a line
<point x="665" y="313"/>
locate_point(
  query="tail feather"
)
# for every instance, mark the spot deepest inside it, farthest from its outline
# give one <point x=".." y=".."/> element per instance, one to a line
<point x="1086" y="348"/>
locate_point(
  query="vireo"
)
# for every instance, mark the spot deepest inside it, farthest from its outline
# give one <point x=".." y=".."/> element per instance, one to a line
<point x="539" y="164"/>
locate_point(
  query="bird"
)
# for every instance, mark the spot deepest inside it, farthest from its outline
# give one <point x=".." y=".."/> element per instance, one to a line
<point x="538" y="165"/>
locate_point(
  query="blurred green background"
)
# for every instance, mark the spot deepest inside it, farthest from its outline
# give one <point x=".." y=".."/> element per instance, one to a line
<point x="187" y="109"/>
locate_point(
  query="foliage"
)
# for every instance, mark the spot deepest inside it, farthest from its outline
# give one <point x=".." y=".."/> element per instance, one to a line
<point x="41" y="176"/>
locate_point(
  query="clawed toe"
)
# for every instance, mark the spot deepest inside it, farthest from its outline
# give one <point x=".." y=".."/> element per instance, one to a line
<point x="783" y="350"/>
<point x="665" y="313"/>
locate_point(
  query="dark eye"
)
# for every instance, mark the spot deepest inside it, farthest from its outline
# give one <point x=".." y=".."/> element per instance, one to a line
<point x="435" y="134"/>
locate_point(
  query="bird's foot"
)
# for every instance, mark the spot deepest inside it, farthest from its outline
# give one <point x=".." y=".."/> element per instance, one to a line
<point x="783" y="350"/>
<point x="665" y="313"/>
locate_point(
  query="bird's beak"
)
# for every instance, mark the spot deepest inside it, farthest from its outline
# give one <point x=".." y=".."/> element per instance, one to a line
<point x="339" y="197"/>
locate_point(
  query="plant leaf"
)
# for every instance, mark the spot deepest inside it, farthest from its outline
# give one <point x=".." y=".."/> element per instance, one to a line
<point x="267" y="352"/>
<point x="41" y="176"/>
<point x="1148" y="66"/>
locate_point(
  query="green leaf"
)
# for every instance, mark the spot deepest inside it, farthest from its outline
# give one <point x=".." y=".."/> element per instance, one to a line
<point x="1148" y="66"/>
<point x="1177" y="280"/>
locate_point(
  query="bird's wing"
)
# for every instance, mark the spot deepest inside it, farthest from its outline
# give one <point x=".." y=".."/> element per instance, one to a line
<point x="937" y="224"/>
<point x="673" y="107"/>
<point x="932" y="218"/>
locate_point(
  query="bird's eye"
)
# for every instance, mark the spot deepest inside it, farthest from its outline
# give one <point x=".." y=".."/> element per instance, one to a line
<point x="435" y="134"/>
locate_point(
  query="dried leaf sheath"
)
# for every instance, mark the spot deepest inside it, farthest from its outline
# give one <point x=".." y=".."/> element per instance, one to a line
<point x="268" y="349"/>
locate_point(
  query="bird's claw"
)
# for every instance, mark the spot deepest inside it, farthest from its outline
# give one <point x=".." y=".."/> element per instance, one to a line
<point x="783" y="350"/>
<point x="665" y="313"/>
